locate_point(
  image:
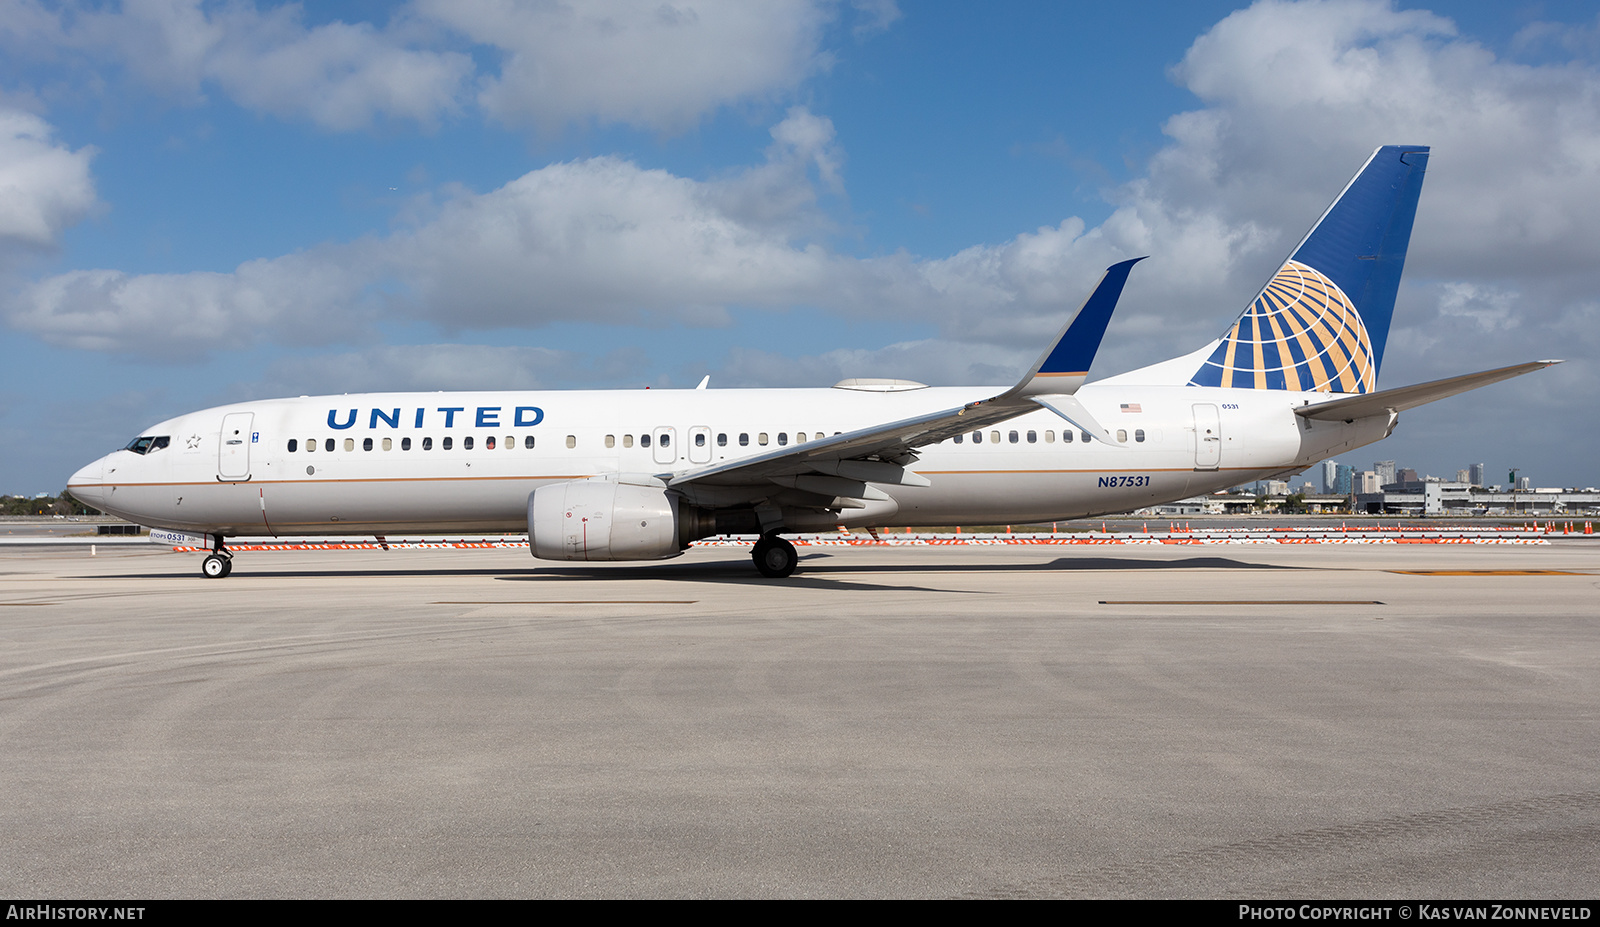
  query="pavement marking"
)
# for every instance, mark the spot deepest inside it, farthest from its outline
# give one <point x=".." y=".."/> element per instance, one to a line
<point x="1239" y="602"/>
<point x="1488" y="572"/>
<point x="575" y="602"/>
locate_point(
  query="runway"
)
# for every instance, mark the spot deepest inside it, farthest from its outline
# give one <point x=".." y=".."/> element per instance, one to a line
<point x="1141" y="721"/>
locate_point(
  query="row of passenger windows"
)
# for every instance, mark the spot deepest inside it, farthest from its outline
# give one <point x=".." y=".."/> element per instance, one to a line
<point x="1049" y="436"/>
<point x="388" y="444"/>
<point x="490" y="443"/>
<point x="762" y="439"/>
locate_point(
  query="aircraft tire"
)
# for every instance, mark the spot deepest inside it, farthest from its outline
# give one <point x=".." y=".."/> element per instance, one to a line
<point x="215" y="567"/>
<point x="775" y="558"/>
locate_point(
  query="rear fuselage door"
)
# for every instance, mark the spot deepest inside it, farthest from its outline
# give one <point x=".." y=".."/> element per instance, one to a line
<point x="1207" y="437"/>
<point x="233" y="451"/>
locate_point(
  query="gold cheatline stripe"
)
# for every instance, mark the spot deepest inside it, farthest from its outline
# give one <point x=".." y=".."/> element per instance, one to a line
<point x="372" y="479"/>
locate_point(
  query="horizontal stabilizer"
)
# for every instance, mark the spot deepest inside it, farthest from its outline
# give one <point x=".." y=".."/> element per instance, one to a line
<point x="1409" y="397"/>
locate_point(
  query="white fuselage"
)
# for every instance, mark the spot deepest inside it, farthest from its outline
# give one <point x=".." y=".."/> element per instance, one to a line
<point x="265" y="468"/>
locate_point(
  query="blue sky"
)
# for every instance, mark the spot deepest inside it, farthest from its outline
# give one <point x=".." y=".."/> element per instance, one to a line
<point x="207" y="203"/>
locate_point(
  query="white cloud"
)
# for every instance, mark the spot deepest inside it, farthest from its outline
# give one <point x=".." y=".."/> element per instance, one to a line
<point x="646" y="63"/>
<point x="299" y="299"/>
<point x="339" y="75"/>
<point x="45" y="187"/>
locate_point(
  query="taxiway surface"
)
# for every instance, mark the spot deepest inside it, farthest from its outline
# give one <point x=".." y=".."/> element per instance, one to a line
<point x="1212" y="721"/>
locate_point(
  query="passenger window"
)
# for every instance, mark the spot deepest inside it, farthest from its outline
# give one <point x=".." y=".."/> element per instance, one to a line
<point x="958" y="439"/>
<point x="761" y="439"/>
<point x="799" y="437"/>
<point x="466" y="443"/>
<point x="328" y="446"/>
<point x="511" y="443"/>
<point x="611" y="440"/>
<point x="292" y="445"/>
<point x="699" y="440"/>
<point x="427" y="444"/>
<point x="488" y="443"/>
<point x="644" y="440"/>
<point x="627" y="440"/>
<point x="994" y="436"/>
<point x="388" y="444"/>
<point x="1013" y="437"/>
<point x="665" y="440"/>
<point x="350" y="443"/>
<point x="1122" y="436"/>
<point x="1049" y="436"/>
<point x="783" y="438"/>
<point x="447" y="444"/>
<point x="311" y="445"/>
<point x="1066" y="436"/>
<point x="722" y="439"/>
<point x="744" y="439"/>
<point x="1085" y="436"/>
<point x="528" y="442"/>
<point x="405" y="444"/>
<point x="1033" y="437"/>
<point x="1138" y="434"/>
<point x="820" y="436"/>
<point x="572" y="440"/>
<point x="977" y="437"/>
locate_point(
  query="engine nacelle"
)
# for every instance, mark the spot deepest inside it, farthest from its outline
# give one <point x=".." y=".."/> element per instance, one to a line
<point x="621" y="517"/>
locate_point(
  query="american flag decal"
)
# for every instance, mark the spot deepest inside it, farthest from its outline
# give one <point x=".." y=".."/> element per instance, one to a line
<point x="1131" y="407"/>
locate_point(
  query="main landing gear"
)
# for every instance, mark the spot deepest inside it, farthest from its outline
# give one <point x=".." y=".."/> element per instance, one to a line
<point x="219" y="563"/>
<point x="774" y="556"/>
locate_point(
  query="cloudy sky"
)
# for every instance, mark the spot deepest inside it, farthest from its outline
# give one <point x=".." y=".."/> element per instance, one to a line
<point x="206" y="203"/>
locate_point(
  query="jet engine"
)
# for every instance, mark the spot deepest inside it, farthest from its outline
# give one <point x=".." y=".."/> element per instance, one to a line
<point x="618" y="517"/>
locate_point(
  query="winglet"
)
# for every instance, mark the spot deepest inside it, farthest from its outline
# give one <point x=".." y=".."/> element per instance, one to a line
<point x="1063" y="368"/>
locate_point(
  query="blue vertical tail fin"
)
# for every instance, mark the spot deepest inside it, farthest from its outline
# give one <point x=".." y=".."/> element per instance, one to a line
<point x="1322" y="320"/>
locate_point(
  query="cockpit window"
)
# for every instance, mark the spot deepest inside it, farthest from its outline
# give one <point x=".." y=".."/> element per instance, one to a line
<point x="144" y="444"/>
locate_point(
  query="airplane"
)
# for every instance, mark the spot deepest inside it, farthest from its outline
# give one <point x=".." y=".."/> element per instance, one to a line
<point x="640" y="474"/>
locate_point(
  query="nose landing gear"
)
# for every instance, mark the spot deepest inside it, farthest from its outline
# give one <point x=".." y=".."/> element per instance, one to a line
<point x="219" y="563"/>
<point x="774" y="557"/>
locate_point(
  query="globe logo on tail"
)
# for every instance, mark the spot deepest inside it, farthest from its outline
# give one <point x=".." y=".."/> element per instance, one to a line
<point x="1301" y="333"/>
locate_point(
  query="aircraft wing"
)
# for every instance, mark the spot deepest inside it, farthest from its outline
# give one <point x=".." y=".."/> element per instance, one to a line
<point x="841" y="464"/>
<point x="1409" y="397"/>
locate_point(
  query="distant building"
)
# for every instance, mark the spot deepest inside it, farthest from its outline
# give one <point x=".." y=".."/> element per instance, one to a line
<point x="1463" y="476"/>
<point x="1475" y="475"/>
<point x="1367" y="481"/>
<point x="1330" y="475"/>
<point x="1385" y="471"/>
<point x="1344" y="480"/>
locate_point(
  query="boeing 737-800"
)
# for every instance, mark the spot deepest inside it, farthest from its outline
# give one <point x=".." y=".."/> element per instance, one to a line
<point x="639" y="475"/>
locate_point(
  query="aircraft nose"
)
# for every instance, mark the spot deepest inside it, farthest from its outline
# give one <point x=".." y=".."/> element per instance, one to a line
<point x="88" y="484"/>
